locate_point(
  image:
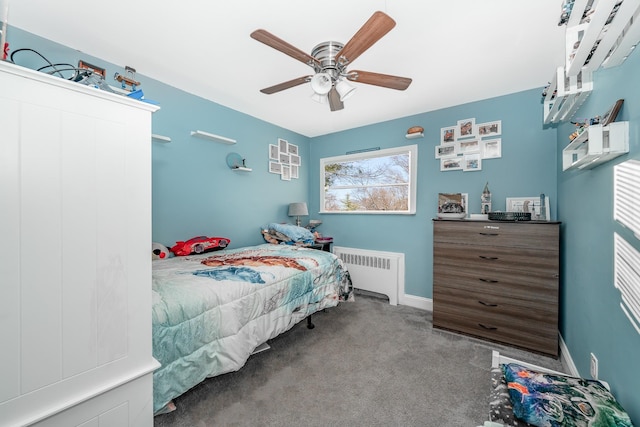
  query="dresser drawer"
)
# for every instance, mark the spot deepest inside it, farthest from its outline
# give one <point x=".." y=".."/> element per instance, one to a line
<point x="496" y="233"/>
<point x="542" y="338"/>
<point x="543" y="262"/>
<point x="534" y="311"/>
<point x="529" y="292"/>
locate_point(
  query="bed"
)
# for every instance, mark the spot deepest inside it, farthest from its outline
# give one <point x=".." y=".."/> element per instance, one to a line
<point x="212" y="310"/>
<point x="525" y="395"/>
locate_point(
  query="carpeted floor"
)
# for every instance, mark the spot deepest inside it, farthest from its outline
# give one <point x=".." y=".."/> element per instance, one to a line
<point x="366" y="363"/>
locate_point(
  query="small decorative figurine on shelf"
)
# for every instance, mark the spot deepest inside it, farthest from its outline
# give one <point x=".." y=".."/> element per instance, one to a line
<point x="485" y="200"/>
<point x="582" y="126"/>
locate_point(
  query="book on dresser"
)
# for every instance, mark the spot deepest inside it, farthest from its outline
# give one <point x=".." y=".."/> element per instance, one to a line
<point x="498" y="281"/>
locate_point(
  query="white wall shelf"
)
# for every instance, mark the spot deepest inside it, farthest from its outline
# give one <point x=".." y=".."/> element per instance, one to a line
<point x="565" y="94"/>
<point x="160" y="138"/>
<point x="595" y="145"/>
<point x="414" y="135"/>
<point x="241" y="169"/>
<point x="212" y="137"/>
<point x="605" y="37"/>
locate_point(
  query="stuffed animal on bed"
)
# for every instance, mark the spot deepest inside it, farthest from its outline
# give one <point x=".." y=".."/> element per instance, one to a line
<point x="160" y="251"/>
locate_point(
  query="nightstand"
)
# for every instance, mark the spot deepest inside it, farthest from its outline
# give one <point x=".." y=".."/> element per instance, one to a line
<point x="322" y="246"/>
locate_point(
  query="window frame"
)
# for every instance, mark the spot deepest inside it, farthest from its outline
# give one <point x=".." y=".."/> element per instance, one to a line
<point x="411" y="150"/>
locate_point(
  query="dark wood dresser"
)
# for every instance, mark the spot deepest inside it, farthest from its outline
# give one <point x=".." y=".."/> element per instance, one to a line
<point x="498" y="280"/>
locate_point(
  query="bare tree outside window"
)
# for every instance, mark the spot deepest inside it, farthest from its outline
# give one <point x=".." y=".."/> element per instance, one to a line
<point x="372" y="182"/>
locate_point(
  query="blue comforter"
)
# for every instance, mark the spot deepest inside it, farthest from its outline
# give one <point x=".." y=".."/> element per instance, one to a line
<point x="211" y="311"/>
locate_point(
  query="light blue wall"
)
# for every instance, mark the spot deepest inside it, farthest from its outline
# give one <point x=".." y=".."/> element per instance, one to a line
<point x="527" y="168"/>
<point x="592" y="321"/>
<point x="194" y="192"/>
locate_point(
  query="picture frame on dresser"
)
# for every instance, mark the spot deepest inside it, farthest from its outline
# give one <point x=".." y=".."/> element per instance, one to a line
<point x="529" y="204"/>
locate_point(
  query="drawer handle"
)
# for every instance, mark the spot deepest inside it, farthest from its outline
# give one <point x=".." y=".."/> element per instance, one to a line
<point x="488" y="328"/>
<point x="488" y="257"/>
<point x="487" y="304"/>
<point x="488" y="280"/>
<point x="489" y="234"/>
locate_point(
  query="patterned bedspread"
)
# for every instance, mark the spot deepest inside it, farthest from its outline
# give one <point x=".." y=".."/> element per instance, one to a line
<point x="210" y="311"/>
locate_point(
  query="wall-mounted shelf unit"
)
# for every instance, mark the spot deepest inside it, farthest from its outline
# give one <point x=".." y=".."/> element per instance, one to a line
<point x="596" y="145"/>
<point x="212" y="137"/>
<point x="565" y="94"/>
<point x="414" y="135"/>
<point x="160" y="138"/>
<point x="600" y="33"/>
<point x="236" y="163"/>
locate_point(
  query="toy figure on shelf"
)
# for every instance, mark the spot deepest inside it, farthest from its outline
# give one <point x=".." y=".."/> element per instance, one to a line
<point x="582" y="126"/>
<point x="128" y="80"/>
<point x="567" y="7"/>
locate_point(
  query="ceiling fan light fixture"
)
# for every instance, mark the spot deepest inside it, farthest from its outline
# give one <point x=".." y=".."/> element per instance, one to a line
<point x="321" y="99"/>
<point x="344" y="89"/>
<point x="321" y="83"/>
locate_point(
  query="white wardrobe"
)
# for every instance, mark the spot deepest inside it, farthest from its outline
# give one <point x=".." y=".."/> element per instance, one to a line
<point x="75" y="261"/>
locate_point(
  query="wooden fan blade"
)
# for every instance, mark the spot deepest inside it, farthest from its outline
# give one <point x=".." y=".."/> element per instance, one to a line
<point x="269" y="39"/>
<point x="286" y="85"/>
<point x="384" y="80"/>
<point x="334" y="100"/>
<point x="377" y="26"/>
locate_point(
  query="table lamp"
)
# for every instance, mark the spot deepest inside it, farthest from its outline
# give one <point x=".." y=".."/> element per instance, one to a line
<point x="298" y="209"/>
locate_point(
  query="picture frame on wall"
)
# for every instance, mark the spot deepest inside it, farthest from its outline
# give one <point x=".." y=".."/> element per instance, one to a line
<point x="469" y="146"/>
<point x="283" y="145"/>
<point x="284" y="158"/>
<point x="294" y="171"/>
<point x="274" y="152"/>
<point x="292" y="149"/>
<point x="491" y="148"/>
<point x="275" y="167"/>
<point x="466" y="128"/>
<point x="490" y="128"/>
<point x="451" y="163"/>
<point x="294" y="159"/>
<point x="447" y="135"/>
<point x="286" y="173"/>
<point x="446" y="150"/>
<point x="472" y="162"/>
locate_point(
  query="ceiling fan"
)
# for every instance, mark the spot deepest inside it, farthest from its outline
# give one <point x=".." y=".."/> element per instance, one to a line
<point x="330" y="59"/>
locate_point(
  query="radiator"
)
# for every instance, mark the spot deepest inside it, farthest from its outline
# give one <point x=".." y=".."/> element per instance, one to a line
<point x="374" y="271"/>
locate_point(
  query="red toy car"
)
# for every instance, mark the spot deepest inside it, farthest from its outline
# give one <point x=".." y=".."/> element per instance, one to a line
<point x="200" y="244"/>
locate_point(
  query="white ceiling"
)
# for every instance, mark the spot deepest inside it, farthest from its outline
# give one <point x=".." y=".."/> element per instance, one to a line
<point x="456" y="51"/>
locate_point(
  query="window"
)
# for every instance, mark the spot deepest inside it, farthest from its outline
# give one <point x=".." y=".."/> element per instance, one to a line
<point x="382" y="181"/>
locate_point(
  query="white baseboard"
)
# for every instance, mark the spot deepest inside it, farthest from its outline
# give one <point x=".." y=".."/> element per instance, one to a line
<point x="416" y="302"/>
<point x="567" y="361"/>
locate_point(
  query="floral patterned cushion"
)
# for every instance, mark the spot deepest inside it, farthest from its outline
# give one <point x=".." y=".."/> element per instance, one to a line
<point x="557" y="400"/>
<point x="500" y="408"/>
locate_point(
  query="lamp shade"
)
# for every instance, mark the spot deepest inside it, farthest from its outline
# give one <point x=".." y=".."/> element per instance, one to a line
<point x="298" y="209"/>
<point x="321" y="83"/>
<point x="345" y="90"/>
<point x="321" y="99"/>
